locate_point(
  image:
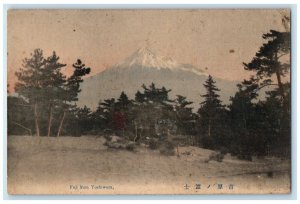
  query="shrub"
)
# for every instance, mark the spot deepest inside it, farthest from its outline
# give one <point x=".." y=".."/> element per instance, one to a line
<point x="130" y="146"/>
<point x="129" y="135"/>
<point x="114" y="145"/>
<point x="108" y="137"/>
<point x="187" y="153"/>
<point x="167" y="148"/>
<point x="153" y="144"/>
<point x="121" y="144"/>
<point x="216" y="157"/>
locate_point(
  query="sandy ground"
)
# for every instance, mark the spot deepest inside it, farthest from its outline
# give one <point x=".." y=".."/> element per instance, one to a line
<point x="83" y="165"/>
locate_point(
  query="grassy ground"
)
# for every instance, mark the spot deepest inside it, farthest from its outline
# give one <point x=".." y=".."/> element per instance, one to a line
<point x="83" y="165"/>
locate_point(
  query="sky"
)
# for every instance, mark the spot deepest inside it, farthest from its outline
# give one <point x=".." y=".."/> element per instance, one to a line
<point x="217" y="41"/>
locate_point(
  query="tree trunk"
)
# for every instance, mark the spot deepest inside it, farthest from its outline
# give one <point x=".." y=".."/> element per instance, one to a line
<point x="285" y="105"/>
<point x="280" y="86"/>
<point x="36" y="120"/>
<point x="135" y="125"/>
<point x="50" y="120"/>
<point x="61" y="124"/>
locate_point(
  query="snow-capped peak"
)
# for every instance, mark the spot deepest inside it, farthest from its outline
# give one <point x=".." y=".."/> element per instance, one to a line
<point x="145" y="58"/>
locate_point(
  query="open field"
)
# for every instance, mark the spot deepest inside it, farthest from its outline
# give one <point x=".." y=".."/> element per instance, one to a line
<point x="83" y="165"/>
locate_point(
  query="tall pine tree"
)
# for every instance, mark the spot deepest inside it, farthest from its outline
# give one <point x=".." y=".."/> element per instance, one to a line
<point x="210" y="113"/>
<point x="271" y="65"/>
<point x="184" y="115"/>
<point x="71" y="90"/>
<point x="30" y="83"/>
<point x="53" y="84"/>
<point x="268" y="62"/>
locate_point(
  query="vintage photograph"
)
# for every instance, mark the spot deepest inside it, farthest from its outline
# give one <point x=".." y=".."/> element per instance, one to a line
<point x="148" y="101"/>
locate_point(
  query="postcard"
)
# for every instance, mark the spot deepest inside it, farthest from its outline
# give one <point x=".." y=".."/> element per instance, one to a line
<point x="148" y="101"/>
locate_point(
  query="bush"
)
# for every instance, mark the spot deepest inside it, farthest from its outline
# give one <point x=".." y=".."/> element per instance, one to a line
<point x="114" y="145"/>
<point x="130" y="146"/>
<point x="187" y="153"/>
<point x="167" y="148"/>
<point x="216" y="157"/>
<point x="120" y="144"/>
<point x="129" y="135"/>
<point x="108" y="137"/>
<point x="153" y="144"/>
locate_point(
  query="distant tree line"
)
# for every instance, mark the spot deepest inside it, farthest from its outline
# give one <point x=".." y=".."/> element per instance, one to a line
<point x="247" y="126"/>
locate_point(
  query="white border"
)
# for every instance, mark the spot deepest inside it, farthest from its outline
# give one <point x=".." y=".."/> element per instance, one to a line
<point x="159" y="4"/>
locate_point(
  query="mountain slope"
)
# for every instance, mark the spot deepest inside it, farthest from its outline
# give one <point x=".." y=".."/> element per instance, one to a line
<point x="144" y="67"/>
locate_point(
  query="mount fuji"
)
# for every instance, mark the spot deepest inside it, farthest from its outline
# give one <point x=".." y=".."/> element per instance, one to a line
<point x="145" y="67"/>
<point x="144" y="58"/>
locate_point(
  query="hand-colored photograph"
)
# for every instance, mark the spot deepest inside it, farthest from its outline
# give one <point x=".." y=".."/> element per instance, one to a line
<point x="148" y="101"/>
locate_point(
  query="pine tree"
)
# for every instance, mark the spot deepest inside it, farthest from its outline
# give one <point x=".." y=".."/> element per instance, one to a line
<point x="210" y="107"/>
<point x="152" y="105"/>
<point x="72" y="89"/>
<point x="107" y="108"/>
<point x="84" y="117"/>
<point x="123" y="102"/>
<point x="73" y="82"/>
<point x="242" y="118"/>
<point x="156" y="95"/>
<point x="276" y="121"/>
<point x="30" y="82"/>
<point x="268" y="61"/>
<point x="139" y="97"/>
<point x="184" y="114"/>
<point x="273" y="61"/>
<point x="41" y="82"/>
<point x="53" y="85"/>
